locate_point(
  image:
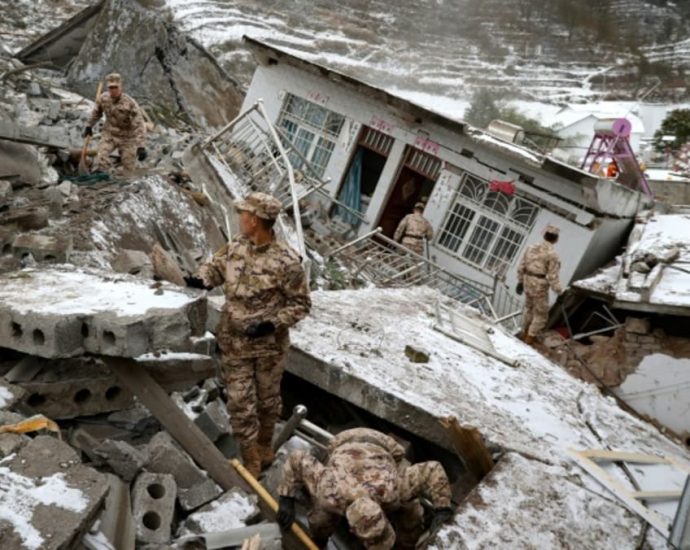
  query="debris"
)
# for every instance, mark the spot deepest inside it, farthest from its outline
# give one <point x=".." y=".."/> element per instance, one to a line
<point x="470" y="447"/>
<point x="133" y="262"/>
<point x="42" y="247"/>
<point x="636" y="325"/>
<point x="153" y="502"/>
<point x="198" y="495"/>
<point x="26" y="218"/>
<point x="269" y="532"/>
<point x="416" y="355"/>
<point x="164" y="266"/>
<point x="233" y="510"/>
<point x="116" y="522"/>
<point x="214" y="420"/>
<point x="125" y="460"/>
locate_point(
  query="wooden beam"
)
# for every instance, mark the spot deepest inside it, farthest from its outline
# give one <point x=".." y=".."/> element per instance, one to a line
<point x="656" y="495"/>
<point x="185" y="432"/>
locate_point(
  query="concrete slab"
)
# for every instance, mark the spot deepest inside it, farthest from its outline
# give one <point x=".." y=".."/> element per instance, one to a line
<point x="47" y="497"/>
<point x="234" y="509"/>
<point x="62" y="311"/>
<point x="44" y="248"/>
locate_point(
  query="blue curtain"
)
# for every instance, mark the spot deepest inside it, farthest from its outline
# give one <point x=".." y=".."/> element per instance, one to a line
<point x="351" y="191"/>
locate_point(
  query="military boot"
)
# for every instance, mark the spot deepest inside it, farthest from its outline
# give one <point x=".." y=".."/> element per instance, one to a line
<point x="528" y="339"/>
<point x="250" y="458"/>
<point x="265" y="441"/>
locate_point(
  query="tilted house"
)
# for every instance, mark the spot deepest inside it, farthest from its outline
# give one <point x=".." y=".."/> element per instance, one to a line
<point x="486" y="198"/>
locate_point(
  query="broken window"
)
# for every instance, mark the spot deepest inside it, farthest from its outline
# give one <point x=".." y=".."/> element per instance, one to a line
<point x="311" y="130"/>
<point x="486" y="228"/>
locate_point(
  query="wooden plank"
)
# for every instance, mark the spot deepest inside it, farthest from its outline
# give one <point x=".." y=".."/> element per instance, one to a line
<point x="185" y="432"/>
<point x="622" y="456"/>
<point x="656" y="495"/>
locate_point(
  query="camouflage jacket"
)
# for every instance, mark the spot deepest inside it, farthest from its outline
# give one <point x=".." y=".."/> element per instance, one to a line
<point x="540" y="265"/>
<point x="261" y="283"/>
<point x="362" y="463"/>
<point x="414" y="226"/>
<point x="123" y="118"/>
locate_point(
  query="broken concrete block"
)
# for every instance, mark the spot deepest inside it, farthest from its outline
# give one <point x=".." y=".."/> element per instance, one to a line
<point x="43" y="248"/>
<point x="125" y="460"/>
<point x="20" y="159"/>
<point x="166" y="457"/>
<point x="200" y="494"/>
<point x="54" y="496"/>
<point x="10" y="394"/>
<point x="5" y="192"/>
<point x="29" y="218"/>
<point x="234" y="509"/>
<point x="45" y="312"/>
<point x="214" y="420"/>
<point x="10" y="443"/>
<point x="7" y="235"/>
<point x="116" y="521"/>
<point x="165" y="267"/>
<point x="636" y="325"/>
<point x="9" y="263"/>
<point x="65" y="188"/>
<point x="178" y="371"/>
<point x="154" y="507"/>
<point x="133" y="262"/>
<point x="137" y="419"/>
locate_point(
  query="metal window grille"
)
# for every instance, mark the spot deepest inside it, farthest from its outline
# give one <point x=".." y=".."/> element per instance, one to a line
<point x="423" y="163"/>
<point x="311" y="130"/>
<point x="484" y="228"/>
<point x="377" y="141"/>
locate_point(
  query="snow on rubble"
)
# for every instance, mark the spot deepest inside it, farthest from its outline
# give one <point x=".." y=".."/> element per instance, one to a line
<point x="534" y="412"/>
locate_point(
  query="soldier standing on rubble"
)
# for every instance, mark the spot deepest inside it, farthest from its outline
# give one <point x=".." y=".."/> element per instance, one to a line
<point x="124" y="128"/>
<point x="413" y="229"/>
<point x="365" y="479"/>
<point x="266" y="292"/>
<point x="538" y="271"/>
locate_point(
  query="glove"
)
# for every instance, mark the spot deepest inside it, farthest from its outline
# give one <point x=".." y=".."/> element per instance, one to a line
<point x="262" y="328"/>
<point x="519" y="289"/>
<point x="286" y="512"/>
<point x="196" y="282"/>
<point x="441" y="515"/>
<point x="88" y="131"/>
<point x="141" y="154"/>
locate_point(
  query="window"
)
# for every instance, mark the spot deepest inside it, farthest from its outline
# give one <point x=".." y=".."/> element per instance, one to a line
<point x="311" y="130"/>
<point x="485" y="228"/>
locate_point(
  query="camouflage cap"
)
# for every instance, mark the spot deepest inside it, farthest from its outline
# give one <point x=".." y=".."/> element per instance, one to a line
<point x="113" y="79"/>
<point x="368" y="522"/>
<point x="552" y="229"/>
<point x="262" y="205"/>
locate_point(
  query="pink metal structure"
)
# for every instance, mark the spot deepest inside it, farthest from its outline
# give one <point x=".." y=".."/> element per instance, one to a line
<point x="611" y="143"/>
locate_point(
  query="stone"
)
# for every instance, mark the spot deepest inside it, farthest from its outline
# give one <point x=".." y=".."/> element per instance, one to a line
<point x="637" y="325"/>
<point x="133" y="262"/>
<point x="165" y="267"/>
<point x="9" y="263"/>
<point x="21" y="161"/>
<point x="65" y="188"/>
<point x="55" y="201"/>
<point x="166" y="457"/>
<point x="43" y="248"/>
<point x="416" y="355"/>
<point x="45" y="312"/>
<point x="59" y="496"/>
<point x="214" y="420"/>
<point x="125" y="460"/>
<point x="154" y="507"/>
<point x="234" y="509"/>
<point x="26" y="218"/>
<point x="202" y="493"/>
<point x="10" y="443"/>
<point x="164" y="64"/>
<point x="5" y="192"/>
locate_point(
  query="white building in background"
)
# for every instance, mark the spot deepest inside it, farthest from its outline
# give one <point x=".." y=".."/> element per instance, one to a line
<point x="383" y="154"/>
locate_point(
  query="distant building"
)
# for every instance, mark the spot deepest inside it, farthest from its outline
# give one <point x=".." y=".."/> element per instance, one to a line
<point x="486" y="198"/>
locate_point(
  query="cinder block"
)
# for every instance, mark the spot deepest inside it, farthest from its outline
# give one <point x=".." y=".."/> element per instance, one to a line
<point x="154" y="506"/>
<point x="43" y="248"/>
<point x="125" y="460"/>
<point x="166" y="457"/>
<point x="214" y="420"/>
<point x="202" y="493"/>
<point x="42" y="336"/>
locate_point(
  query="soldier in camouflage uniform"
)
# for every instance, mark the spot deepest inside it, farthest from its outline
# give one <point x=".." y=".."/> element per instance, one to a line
<point x="538" y="271"/>
<point x="266" y="292"/>
<point x="367" y="480"/>
<point x="413" y="229"/>
<point x="124" y="128"/>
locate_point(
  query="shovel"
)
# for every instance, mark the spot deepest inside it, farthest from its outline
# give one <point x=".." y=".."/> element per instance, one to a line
<point x="83" y="168"/>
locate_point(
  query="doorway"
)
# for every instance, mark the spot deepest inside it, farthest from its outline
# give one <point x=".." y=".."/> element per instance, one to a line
<point x="415" y="182"/>
<point x="363" y="172"/>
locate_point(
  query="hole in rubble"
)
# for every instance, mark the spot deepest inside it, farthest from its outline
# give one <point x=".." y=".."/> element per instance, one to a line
<point x="7" y="249"/>
<point x="36" y="400"/>
<point x="39" y="337"/>
<point x="82" y="396"/>
<point x="156" y="491"/>
<point x="85" y="330"/>
<point x="687" y="441"/>
<point x="16" y="330"/>
<point x="151" y="520"/>
<point x="108" y="338"/>
<point x="49" y="258"/>
<point x="113" y="392"/>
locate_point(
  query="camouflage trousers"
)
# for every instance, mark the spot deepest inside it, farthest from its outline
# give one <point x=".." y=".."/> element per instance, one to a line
<point x="536" y="311"/>
<point x="254" y="400"/>
<point x="415" y="245"/>
<point x="108" y="144"/>
<point x="407" y="518"/>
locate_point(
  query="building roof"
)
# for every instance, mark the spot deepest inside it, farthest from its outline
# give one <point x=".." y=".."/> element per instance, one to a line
<point x="576" y="112"/>
<point x="654" y="273"/>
